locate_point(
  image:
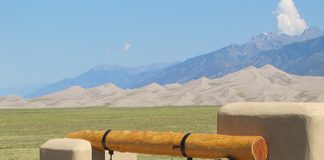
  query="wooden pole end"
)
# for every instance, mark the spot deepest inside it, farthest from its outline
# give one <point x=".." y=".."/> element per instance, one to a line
<point x="259" y="149"/>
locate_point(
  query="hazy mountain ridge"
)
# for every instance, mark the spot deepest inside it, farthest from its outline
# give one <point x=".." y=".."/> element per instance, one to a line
<point x="259" y="50"/>
<point x="250" y="84"/>
<point x="101" y="74"/>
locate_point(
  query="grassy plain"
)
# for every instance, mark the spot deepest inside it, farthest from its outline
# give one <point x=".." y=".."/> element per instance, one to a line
<point x="22" y="131"/>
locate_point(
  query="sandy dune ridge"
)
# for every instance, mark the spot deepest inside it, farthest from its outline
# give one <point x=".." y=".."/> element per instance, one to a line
<point x="250" y="84"/>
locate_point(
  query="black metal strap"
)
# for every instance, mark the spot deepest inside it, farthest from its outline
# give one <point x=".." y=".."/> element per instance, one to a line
<point x="230" y="158"/>
<point x="104" y="145"/>
<point x="183" y="146"/>
<point x="103" y="140"/>
<point x="111" y="154"/>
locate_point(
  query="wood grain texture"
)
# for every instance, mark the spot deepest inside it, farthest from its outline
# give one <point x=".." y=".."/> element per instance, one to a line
<point x="168" y="143"/>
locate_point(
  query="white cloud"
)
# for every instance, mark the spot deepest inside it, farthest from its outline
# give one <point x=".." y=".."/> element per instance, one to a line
<point x="288" y="18"/>
<point x="126" y="47"/>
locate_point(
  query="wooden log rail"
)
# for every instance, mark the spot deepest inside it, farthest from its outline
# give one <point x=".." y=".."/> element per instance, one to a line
<point x="169" y="143"/>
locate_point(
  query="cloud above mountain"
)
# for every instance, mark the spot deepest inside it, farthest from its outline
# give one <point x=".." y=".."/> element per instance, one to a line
<point x="288" y="18"/>
<point x="126" y="47"/>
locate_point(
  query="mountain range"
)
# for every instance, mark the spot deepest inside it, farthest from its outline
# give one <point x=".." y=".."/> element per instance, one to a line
<point x="101" y="74"/>
<point x="300" y="55"/>
<point x="249" y="84"/>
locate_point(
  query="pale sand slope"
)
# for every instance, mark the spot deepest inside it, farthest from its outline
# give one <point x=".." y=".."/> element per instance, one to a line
<point x="250" y="84"/>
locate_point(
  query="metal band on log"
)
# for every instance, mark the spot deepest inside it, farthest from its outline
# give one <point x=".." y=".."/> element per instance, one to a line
<point x="168" y="143"/>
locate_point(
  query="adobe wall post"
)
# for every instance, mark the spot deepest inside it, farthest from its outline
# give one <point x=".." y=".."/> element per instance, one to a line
<point x="293" y="131"/>
<point x="66" y="149"/>
<point x="77" y="149"/>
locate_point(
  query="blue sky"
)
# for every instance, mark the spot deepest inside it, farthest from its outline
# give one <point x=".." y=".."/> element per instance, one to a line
<point x="45" y="41"/>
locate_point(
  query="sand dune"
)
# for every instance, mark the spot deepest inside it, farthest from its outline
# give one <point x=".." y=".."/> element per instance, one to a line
<point x="250" y="84"/>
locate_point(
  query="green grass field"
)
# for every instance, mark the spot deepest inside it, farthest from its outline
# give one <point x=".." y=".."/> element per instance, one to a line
<point x="22" y="131"/>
